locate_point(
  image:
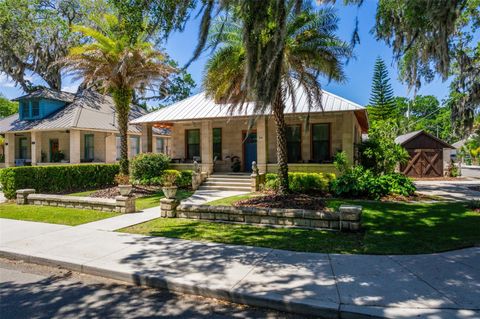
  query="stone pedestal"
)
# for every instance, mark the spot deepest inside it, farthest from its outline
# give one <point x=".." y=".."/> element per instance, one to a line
<point x="168" y="207"/>
<point x="125" y="204"/>
<point x="22" y="195"/>
<point x="257" y="181"/>
<point x="350" y="217"/>
<point x="196" y="181"/>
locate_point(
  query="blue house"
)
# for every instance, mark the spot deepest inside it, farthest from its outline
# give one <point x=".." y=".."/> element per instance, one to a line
<point x="62" y="127"/>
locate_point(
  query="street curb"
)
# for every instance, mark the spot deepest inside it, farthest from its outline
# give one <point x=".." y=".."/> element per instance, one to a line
<point x="326" y="310"/>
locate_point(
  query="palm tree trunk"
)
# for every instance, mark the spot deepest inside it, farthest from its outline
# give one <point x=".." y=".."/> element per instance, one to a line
<point x="281" y="132"/>
<point x="122" y="98"/>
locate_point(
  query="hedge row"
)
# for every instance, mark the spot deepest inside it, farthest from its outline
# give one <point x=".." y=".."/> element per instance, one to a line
<point x="57" y="179"/>
<point x="302" y="182"/>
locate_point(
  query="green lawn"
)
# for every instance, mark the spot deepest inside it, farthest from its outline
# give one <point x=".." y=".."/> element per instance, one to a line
<point x="52" y="215"/>
<point x="154" y="200"/>
<point x="146" y="201"/>
<point x="390" y="228"/>
<point x="228" y="201"/>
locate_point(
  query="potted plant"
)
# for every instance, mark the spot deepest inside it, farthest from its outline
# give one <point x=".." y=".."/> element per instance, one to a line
<point x="169" y="179"/>
<point x="124" y="185"/>
<point x="236" y="165"/>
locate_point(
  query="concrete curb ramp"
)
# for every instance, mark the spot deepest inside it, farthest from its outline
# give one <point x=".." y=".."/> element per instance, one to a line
<point x="443" y="285"/>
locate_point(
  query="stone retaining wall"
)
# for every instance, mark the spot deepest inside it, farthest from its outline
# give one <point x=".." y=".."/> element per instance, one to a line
<point x="348" y="217"/>
<point x="121" y="204"/>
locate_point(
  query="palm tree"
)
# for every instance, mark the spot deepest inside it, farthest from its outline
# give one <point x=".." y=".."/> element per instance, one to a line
<point x="311" y="50"/>
<point x="118" y="65"/>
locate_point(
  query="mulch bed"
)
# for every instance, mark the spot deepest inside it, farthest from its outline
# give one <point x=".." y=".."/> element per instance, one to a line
<point x="413" y="198"/>
<point x="294" y="201"/>
<point x="445" y="178"/>
<point x="137" y="191"/>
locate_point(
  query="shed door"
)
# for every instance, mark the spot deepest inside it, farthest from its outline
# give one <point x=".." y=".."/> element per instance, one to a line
<point x="424" y="163"/>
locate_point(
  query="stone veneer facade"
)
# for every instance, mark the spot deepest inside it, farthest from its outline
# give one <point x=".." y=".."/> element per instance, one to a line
<point x="345" y="131"/>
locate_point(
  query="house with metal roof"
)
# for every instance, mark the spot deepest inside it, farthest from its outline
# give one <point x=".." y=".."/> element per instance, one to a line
<point x="211" y="134"/>
<point x="61" y="127"/>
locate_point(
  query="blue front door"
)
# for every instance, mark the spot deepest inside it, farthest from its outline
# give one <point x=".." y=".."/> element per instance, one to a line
<point x="250" y="151"/>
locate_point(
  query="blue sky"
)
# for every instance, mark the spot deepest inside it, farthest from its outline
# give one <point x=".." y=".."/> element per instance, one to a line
<point x="359" y="71"/>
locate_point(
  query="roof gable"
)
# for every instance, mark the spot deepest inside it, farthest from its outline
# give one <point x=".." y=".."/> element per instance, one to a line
<point x="50" y="94"/>
<point x="412" y="140"/>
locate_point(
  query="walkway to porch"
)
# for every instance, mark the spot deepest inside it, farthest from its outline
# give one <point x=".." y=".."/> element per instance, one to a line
<point x="220" y="185"/>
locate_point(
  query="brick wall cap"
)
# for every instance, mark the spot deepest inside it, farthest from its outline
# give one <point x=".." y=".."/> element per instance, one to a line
<point x="350" y="208"/>
<point x="26" y="191"/>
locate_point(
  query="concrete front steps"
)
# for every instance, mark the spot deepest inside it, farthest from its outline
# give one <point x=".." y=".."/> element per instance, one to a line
<point x="227" y="182"/>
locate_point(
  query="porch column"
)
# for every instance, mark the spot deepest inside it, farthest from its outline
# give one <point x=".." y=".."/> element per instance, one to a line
<point x="206" y="147"/>
<point x="36" y="147"/>
<point x="347" y="136"/>
<point x="262" y="144"/>
<point x="147" y="138"/>
<point x="75" y="150"/>
<point x="110" y="148"/>
<point x="9" y="149"/>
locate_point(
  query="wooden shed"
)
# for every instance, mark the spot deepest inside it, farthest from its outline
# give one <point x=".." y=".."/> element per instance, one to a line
<point x="426" y="151"/>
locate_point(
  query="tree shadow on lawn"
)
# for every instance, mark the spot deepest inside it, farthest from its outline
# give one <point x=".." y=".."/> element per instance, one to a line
<point x="389" y="228"/>
<point x="294" y="239"/>
<point x="399" y="228"/>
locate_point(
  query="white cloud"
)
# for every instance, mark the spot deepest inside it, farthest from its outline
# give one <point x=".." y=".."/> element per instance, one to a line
<point x="5" y="81"/>
<point x="72" y="88"/>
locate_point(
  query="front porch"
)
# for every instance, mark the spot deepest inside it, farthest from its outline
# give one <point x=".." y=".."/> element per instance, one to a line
<point x="217" y="143"/>
<point x="65" y="147"/>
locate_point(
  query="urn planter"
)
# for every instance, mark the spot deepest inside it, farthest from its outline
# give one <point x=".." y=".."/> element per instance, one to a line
<point x="170" y="191"/>
<point x="125" y="190"/>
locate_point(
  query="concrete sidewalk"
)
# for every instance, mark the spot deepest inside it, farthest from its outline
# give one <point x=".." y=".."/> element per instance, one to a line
<point x="123" y="220"/>
<point x="443" y="285"/>
<point x="203" y="196"/>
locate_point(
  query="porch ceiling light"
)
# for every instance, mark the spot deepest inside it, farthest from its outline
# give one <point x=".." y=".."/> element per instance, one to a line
<point x="163" y="125"/>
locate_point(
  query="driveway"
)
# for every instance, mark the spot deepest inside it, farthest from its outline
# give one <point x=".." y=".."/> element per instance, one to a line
<point x="450" y="190"/>
<point x="471" y="171"/>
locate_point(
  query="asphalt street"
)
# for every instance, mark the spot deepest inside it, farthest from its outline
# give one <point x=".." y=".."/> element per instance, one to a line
<point x="34" y="291"/>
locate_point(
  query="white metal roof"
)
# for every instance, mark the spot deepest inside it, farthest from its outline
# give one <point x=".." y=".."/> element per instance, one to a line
<point x="199" y="106"/>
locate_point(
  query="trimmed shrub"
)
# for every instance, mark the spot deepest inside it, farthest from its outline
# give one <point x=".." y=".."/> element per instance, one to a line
<point x="361" y="182"/>
<point x="271" y="181"/>
<point x="170" y="177"/>
<point x="185" y="179"/>
<point x="354" y="182"/>
<point x="393" y="184"/>
<point x="302" y="182"/>
<point x="147" y="168"/>
<point x="57" y="179"/>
